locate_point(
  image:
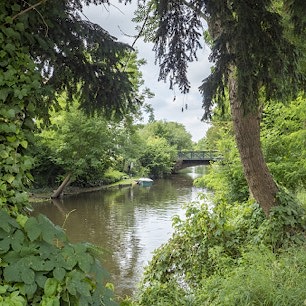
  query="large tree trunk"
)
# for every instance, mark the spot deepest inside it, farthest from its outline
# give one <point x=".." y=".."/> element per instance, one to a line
<point x="247" y="133"/>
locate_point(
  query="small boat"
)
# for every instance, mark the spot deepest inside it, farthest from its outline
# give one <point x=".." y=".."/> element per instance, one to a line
<point x="145" y="182"/>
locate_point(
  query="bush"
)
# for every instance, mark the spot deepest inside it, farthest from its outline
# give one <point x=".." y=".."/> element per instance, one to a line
<point x="112" y="176"/>
<point x="40" y="267"/>
<point x="211" y="250"/>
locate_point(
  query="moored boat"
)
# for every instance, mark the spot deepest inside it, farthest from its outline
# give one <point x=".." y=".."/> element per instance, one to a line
<point x="145" y="182"/>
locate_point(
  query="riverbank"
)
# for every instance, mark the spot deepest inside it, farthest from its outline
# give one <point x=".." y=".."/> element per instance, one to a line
<point x="39" y="195"/>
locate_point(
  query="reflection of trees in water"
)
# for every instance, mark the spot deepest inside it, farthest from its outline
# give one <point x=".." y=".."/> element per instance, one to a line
<point x="112" y="219"/>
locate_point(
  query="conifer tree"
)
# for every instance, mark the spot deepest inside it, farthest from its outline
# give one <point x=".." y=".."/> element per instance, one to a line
<point x="252" y="56"/>
<point x="74" y="55"/>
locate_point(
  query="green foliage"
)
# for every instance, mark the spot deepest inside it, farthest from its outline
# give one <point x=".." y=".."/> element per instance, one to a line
<point x="210" y="244"/>
<point x="261" y="278"/>
<point x="40" y="267"/>
<point x="174" y="133"/>
<point x="158" y="157"/>
<point x="19" y="89"/>
<point x="84" y="146"/>
<point x="284" y="141"/>
<point x="160" y="142"/>
<point x="301" y="196"/>
<point x="75" y="56"/>
<point x="47" y="49"/>
<point x="75" y="143"/>
<point x="238" y="32"/>
<point x="112" y="176"/>
<point x="163" y="294"/>
<point x="226" y="177"/>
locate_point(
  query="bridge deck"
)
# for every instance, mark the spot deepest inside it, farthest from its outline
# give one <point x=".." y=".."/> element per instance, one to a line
<point x="198" y="155"/>
<point x="194" y="158"/>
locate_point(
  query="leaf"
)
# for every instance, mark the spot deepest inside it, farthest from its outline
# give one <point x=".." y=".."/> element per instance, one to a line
<point x="5" y="245"/>
<point x="50" y="301"/>
<point x="50" y="286"/>
<point x="11" y="138"/>
<point x="27" y="275"/>
<point x="3" y="289"/>
<point x="4" y="154"/>
<point x="24" y="144"/>
<point x="22" y="219"/>
<point x="11" y="273"/>
<point x="5" y="221"/>
<point x="83" y="288"/>
<point x="85" y="261"/>
<point x="30" y="289"/>
<point x="37" y="263"/>
<point x="40" y="279"/>
<point x="32" y="228"/>
<point x="17" y="240"/>
<point x="69" y="257"/>
<point x="12" y="257"/>
<point x="49" y="265"/>
<point x="11" y="113"/>
<point x="4" y="94"/>
<point x="17" y="300"/>
<point x="59" y="273"/>
<point x="48" y="229"/>
<point x="9" y="178"/>
<point x="71" y="288"/>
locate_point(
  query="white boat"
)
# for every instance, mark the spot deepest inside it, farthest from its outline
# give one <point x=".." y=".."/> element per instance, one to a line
<point x="145" y="182"/>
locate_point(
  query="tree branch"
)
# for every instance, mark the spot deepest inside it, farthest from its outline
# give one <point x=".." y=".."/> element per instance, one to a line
<point x="32" y="7"/>
<point x="201" y="14"/>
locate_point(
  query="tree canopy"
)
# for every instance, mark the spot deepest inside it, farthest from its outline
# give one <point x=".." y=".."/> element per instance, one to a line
<point x="74" y="55"/>
<point x="256" y="51"/>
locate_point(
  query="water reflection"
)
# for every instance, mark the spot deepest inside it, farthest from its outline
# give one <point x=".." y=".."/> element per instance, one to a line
<point x="128" y="223"/>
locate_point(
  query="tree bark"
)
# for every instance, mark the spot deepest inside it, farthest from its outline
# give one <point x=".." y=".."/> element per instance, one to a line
<point x="61" y="188"/>
<point x="247" y="133"/>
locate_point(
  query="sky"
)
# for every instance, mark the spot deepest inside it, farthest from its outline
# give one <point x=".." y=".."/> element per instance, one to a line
<point x="167" y="104"/>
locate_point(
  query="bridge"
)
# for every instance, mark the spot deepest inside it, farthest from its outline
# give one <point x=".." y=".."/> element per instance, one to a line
<point x="194" y="158"/>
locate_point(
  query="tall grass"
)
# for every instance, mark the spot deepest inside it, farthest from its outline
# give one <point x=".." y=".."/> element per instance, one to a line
<point x="262" y="278"/>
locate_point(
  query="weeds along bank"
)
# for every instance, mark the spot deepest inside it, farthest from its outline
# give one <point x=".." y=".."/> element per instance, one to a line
<point x="230" y="255"/>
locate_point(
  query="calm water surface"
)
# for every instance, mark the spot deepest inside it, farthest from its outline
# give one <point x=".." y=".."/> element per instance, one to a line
<point x="128" y="223"/>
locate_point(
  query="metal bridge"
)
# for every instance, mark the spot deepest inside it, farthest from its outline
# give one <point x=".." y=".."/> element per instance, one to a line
<point x="193" y="158"/>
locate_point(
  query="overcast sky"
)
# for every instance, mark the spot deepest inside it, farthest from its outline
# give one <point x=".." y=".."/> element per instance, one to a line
<point x="116" y="19"/>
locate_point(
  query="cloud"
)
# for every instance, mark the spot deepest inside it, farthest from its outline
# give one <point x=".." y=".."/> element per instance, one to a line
<point x="169" y="105"/>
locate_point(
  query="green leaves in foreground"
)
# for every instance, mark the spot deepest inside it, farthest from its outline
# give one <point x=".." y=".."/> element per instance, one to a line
<point x="40" y="267"/>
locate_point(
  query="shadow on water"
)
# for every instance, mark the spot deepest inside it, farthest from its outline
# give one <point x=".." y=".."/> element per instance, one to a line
<point x="128" y="223"/>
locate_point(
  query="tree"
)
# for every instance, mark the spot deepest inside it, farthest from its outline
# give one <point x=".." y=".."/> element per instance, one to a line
<point x="46" y="48"/>
<point x="75" y="55"/>
<point x="252" y="57"/>
<point x="78" y="145"/>
<point x="174" y="133"/>
<point x="158" y="157"/>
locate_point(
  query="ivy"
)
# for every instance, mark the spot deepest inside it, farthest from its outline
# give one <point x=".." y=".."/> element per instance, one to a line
<point x="19" y="91"/>
<point x="38" y="265"/>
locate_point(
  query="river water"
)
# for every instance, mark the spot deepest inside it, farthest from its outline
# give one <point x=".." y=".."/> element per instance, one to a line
<point x="127" y="223"/>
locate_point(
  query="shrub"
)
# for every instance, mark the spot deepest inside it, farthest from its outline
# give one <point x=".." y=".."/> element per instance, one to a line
<point x="40" y="267"/>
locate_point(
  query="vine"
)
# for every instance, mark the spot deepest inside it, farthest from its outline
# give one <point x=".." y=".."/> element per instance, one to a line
<point x="38" y="265"/>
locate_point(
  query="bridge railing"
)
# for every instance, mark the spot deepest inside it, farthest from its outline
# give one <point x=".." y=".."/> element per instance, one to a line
<point x="199" y="155"/>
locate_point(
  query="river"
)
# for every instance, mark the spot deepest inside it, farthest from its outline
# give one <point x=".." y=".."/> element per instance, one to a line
<point x="127" y="223"/>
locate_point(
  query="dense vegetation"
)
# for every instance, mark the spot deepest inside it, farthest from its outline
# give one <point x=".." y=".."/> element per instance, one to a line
<point x="96" y="151"/>
<point x="225" y="252"/>
<point x="244" y="244"/>
<point x="232" y="249"/>
<point x="257" y="50"/>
